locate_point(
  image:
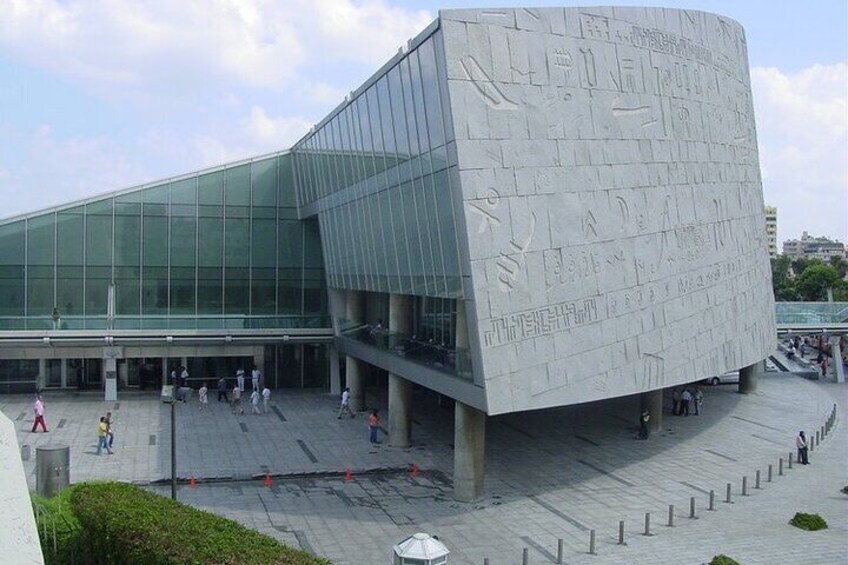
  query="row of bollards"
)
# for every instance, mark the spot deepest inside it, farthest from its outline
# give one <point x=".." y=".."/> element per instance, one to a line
<point x="814" y="440"/>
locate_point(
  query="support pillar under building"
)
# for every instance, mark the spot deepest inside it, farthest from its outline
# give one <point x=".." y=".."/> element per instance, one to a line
<point x="469" y="452"/>
<point x="335" y="376"/>
<point x="653" y="402"/>
<point x="400" y="411"/>
<point x="353" y="380"/>
<point x="748" y="377"/>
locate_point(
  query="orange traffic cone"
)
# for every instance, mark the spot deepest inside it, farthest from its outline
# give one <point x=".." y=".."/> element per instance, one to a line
<point x="192" y="483"/>
<point x="414" y="470"/>
<point x="267" y="480"/>
<point x="348" y="475"/>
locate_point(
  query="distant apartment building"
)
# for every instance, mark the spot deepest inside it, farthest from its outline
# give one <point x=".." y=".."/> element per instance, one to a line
<point x="771" y="230"/>
<point x="811" y="247"/>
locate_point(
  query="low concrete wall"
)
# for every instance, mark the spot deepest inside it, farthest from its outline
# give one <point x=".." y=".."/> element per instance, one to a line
<point x="18" y="534"/>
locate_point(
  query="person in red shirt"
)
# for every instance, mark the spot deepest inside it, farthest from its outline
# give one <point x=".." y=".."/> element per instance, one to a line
<point x="38" y="408"/>
<point x="374" y="425"/>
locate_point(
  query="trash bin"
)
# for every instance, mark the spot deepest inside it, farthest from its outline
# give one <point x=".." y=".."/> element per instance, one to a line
<point x="420" y="549"/>
<point x="52" y="469"/>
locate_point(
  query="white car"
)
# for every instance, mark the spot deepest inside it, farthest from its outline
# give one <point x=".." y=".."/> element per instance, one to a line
<point x="723" y="379"/>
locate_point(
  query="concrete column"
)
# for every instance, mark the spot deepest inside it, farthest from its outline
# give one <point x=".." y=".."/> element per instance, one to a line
<point x="469" y="452"/>
<point x="41" y="378"/>
<point x="63" y="368"/>
<point x="399" y="314"/>
<point x="355" y="307"/>
<point x="335" y="376"/>
<point x="461" y="326"/>
<point x="836" y="359"/>
<point x="653" y="402"/>
<point x="748" y="377"/>
<point x="400" y="411"/>
<point x="164" y="371"/>
<point x="354" y="382"/>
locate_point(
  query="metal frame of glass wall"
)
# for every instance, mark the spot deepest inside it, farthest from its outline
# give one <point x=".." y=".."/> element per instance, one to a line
<point x="221" y="248"/>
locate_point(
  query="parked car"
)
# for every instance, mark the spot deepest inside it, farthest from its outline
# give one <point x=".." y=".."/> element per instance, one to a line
<point x="723" y="379"/>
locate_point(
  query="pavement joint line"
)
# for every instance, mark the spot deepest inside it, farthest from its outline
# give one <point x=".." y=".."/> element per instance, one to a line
<point x="307" y="451"/>
<point x="606" y="473"/>
<point x="722" y="455"/>
<point x="781" y="443"/>
<point x="758" y="424"/>
<point x="61" y="423"/>
<point x="538" y="547"/>
<point x="695" y="487"/>
<point x="587" y="440"/>
<point x="518" y="430"/>
<point x="573" y="521"/>
<point x="278" y="413"/>
<point x="243" y="427"/>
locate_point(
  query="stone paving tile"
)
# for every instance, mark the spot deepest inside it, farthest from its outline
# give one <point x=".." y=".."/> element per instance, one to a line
<point x="550" y="474"/>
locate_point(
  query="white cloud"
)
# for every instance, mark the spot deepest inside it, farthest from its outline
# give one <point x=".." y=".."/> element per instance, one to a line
<point x="802" y="129"/>
<point x="182" y="47"/>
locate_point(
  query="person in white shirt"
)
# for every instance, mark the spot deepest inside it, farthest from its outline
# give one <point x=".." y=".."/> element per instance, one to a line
<point x="38" y="409"/>
<point x="345" y="407"/>
<point x="203" y="396"/>
<point x="240" y="379"/>
<point x="254" y="378"/>
<point x="687" y="400"/>
<point x="266" y="398"/>
<point x="237" y="400"/>
<point x="254" y="402"/>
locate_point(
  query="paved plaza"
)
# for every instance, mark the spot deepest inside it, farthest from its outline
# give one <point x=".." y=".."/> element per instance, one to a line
<point x="549" y="474"/>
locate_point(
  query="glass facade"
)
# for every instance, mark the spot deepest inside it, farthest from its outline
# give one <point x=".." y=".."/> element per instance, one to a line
<point x="213" y="250"/>
<point x="377" y="171"/>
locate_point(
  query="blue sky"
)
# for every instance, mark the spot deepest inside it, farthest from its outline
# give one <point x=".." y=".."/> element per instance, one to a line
<point x="101" y="95"/>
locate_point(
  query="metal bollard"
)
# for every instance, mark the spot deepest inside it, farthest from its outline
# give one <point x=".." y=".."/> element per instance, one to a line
<point x="591" y="542"/>
<point x="744" y="486"/>
<point x="818" y="438"/>
<point x="621" y="532"/>
<point x="525" y="557"/>
<point x="712" y="500"/>
<point x="769" y="473"/>
<point x="559" y="551"/>
<point x="757" y="480"/>
<point x="647" y="524"/>
<point x="812" y="443"/>
<point x="485" y="561"/>
<point x="692" y="507"/>
<point x="780" y="467"/>
<point x="727" y="499"/>
<point x="671" y="515"/>
<point x="790" y="459"/>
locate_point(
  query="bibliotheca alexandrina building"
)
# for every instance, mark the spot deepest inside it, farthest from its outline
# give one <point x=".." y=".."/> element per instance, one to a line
<point x="522" y="209"/>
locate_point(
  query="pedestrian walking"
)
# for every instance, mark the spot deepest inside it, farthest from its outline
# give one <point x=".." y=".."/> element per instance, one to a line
<point x="237" y="400"/>
<point x="110" y="433"/>
<point x="254" y="402"/>
<point x="222" y="390"/>
<point x="699" y="399"/>
<point x="203" y="396"/>
<point x="255" y="375"/>
<point x="686" y="400"/>
<point x="102" y="436"/>
<point x="184" y="378"/>
<point x="240" y="379"/>
<point x="801" y="444"/>
<point x="644" y="430"/>
<point x="824" y="367"/>
<point x="38" y="410"/>
<point x="675" y="396"/>
<point x="345" y="406"/>
<point x="266" y="399"/>
<point x="374" y="426"/>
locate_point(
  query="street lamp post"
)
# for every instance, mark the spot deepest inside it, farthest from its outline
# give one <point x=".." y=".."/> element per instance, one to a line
<point x="173" y="448"/>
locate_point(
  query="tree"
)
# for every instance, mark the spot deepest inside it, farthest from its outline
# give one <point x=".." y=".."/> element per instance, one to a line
<point x="813" y="283"/>
<point x="840" y="264"/>
<point x="782" y="284"/>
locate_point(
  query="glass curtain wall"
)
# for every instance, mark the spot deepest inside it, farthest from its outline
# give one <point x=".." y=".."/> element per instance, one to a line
<point x="219" y="249"/>
<point x="378" y="172"/>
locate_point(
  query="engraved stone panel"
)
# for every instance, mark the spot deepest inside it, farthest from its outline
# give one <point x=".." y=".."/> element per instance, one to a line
<point x="611" y="198"/>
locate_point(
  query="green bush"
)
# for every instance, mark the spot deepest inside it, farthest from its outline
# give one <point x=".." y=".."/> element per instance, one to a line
<point x="124" y="524"/>
<point x="723" y="560"/>
<point x="811" y="522"/>
<point x="59" y="531"/>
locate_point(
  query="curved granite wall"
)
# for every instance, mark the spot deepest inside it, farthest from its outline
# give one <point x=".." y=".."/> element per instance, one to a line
<point x="607" y="163"/>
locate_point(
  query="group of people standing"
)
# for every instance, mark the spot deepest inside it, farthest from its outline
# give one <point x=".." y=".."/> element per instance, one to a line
<point x="260" y="393"/>
<point x="687" y="400"/>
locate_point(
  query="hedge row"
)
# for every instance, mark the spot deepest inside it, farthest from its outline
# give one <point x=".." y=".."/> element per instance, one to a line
<point x="59" y="530"/>
<point x="121" y="523"/>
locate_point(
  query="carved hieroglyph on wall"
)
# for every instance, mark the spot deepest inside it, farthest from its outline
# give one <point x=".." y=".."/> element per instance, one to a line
<point x="612" y="199"/>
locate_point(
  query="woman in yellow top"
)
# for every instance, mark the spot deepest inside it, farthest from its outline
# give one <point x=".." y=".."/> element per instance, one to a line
<point x="103" y="436"/>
